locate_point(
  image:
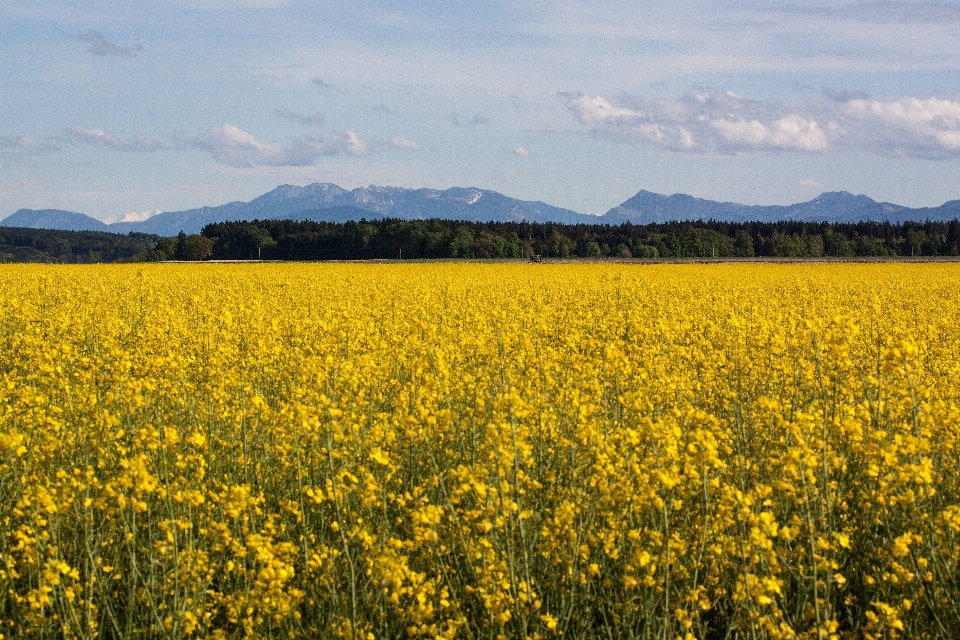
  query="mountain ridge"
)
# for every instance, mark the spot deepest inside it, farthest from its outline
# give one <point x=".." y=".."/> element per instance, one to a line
<point x="291" y="201"/>
<point x="53" y="219"/>
<point x="830" y="206"/>
<point x="332" y="203"/>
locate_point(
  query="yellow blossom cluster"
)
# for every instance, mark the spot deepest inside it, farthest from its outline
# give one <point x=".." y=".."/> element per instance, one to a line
<point x="480" y="451"/>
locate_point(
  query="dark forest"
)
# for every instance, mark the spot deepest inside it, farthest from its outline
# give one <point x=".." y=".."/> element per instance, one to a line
<point x="49" y="245"/>
<point x="426" y="239"/>
<point x="433" y="239"/>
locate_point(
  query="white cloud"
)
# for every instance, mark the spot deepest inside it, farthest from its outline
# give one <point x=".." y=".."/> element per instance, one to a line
<point x="921" y="127"/>
<point x="103" y="140"/>
<point x="233" y="146"/>
<point x="725" y="122"/>
<point x="596" y="110"/>
<point x="134" y="216"/>
<point x="741" y="132"/>
<point x="808" y="182"/>
<point x="404" y="144"/>
<point x="520" y="151"/>
<point x="630" y="124"/>
<point x="96" y="137"/>
<point x="351" y="143"/>
<point x="792" y="132"/>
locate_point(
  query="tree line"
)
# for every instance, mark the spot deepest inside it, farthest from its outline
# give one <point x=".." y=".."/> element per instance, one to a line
<point x="50" y="245"/>
<point x="426" y="239"/>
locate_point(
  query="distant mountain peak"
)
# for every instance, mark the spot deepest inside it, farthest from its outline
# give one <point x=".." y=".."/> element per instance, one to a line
<point x="53" y="219"/>
<point x="325" y="201"/>
<point x="841" y="196"/>
<point x="830" y="206"/>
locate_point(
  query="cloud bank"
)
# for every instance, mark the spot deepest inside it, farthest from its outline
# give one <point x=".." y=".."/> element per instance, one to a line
<point x="913" y="127"/>
<point x="103" y="140"/>
<point x="235" y="147"/>
<point x="228" y="144"/>
<point x="728" y="123"/>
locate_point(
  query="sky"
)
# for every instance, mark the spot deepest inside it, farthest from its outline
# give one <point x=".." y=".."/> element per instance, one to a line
<point x="123" y="108"/>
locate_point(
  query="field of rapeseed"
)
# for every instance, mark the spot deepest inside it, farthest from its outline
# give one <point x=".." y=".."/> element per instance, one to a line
<point x="480" y="451"/>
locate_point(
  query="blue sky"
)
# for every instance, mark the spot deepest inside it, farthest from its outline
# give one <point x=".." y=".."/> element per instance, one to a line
<point x="122" y="108"/>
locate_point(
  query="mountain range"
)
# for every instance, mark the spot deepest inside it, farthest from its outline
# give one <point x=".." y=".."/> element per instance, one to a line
<point x="328" y="202"/>
<point x="835" y="206"/>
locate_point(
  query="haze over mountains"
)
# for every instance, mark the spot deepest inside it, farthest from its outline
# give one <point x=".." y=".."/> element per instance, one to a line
<point x="328" y="202"/>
